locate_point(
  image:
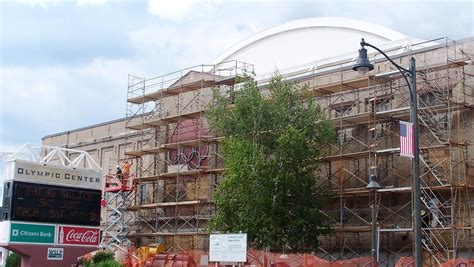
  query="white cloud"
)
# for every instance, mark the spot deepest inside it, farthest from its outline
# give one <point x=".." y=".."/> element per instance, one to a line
<point x="48" y="99"/>
<point x="7" y="149"/>
<point x="179" y="9"/>
<point x="179" y="47"/>
<point x="37" y="101"/>
<point x="46" y="3"/>
<point x="42" y="3"/>
<point x="40" y="100"/>
<point x="90" y="2"/>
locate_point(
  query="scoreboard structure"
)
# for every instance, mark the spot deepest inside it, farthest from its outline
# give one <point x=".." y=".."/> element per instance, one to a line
<point x="51" y="208"/>
<point x="52" y="204"/>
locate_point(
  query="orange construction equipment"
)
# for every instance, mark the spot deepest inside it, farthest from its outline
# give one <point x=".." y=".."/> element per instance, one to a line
<point x="118" y="182"/>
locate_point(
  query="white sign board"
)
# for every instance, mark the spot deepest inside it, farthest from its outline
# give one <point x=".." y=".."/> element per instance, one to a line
<point x="55" y="254"/>
<point x="4" y="232"/>
<point x="53" y="175"/>
<point x="228" y="248"/>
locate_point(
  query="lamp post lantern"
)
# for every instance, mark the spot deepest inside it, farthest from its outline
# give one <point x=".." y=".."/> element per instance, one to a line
<point x="363" y="65"/>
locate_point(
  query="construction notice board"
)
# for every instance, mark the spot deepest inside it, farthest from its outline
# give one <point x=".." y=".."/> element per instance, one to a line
<point x="228" y="248"/>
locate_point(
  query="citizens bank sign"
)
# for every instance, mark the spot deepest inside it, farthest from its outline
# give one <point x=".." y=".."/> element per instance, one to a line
<point x="54" y="175"/>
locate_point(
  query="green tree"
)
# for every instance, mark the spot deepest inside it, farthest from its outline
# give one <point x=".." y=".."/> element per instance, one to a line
<point x="272" y="144"/>
<point x="102" y="256"/>
<point x="13" y="260"/>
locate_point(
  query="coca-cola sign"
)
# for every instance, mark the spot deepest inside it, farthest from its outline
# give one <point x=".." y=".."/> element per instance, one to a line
<point x="82" y="236"/>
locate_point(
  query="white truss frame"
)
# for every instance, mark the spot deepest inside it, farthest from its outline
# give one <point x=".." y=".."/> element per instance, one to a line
<point x="58" y="156"/>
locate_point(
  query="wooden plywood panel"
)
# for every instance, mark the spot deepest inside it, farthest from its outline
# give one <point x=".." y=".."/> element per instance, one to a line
<point x="203" y="188"/>
<point x="185" y="242"/>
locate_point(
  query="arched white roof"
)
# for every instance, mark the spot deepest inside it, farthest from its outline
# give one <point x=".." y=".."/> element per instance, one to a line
<point x="306" y="40"/>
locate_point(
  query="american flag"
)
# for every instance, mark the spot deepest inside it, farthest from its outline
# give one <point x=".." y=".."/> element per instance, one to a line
<point x="406" y="139"/>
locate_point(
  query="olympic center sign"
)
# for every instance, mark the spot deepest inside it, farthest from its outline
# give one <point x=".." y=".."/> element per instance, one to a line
<point x="53" y="175"/>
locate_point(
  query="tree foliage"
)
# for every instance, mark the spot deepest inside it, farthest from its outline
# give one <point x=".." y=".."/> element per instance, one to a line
<point x="13" y="260"/>
<point x="272" y="144"/>
<point x="102" y="256"/>
<point x="100" y="259"/>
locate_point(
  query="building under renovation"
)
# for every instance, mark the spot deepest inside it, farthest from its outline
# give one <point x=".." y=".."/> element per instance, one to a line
<point x="177" y="163"/>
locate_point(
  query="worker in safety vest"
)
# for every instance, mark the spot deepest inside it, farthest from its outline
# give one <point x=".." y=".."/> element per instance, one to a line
<point x="126" y="169"/>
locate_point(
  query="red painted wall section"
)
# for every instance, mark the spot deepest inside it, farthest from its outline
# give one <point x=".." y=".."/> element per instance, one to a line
<point x="193" y="157"/>
<point x="36" y="255"/>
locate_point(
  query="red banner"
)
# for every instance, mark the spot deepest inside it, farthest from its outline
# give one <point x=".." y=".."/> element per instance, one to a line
<point x="70" y="235"/>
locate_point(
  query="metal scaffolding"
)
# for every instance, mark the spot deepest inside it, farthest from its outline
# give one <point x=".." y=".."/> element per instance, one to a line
<point x="177" y="159"/>
<point x="366" y="112"/>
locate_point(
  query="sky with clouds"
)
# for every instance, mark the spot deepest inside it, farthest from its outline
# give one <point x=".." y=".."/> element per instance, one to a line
<point x="64" y="63"/>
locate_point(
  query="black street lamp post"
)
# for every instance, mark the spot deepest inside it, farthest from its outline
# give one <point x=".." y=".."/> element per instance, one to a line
<point x="363" y="66"/>
<point x="373" y="186"/>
